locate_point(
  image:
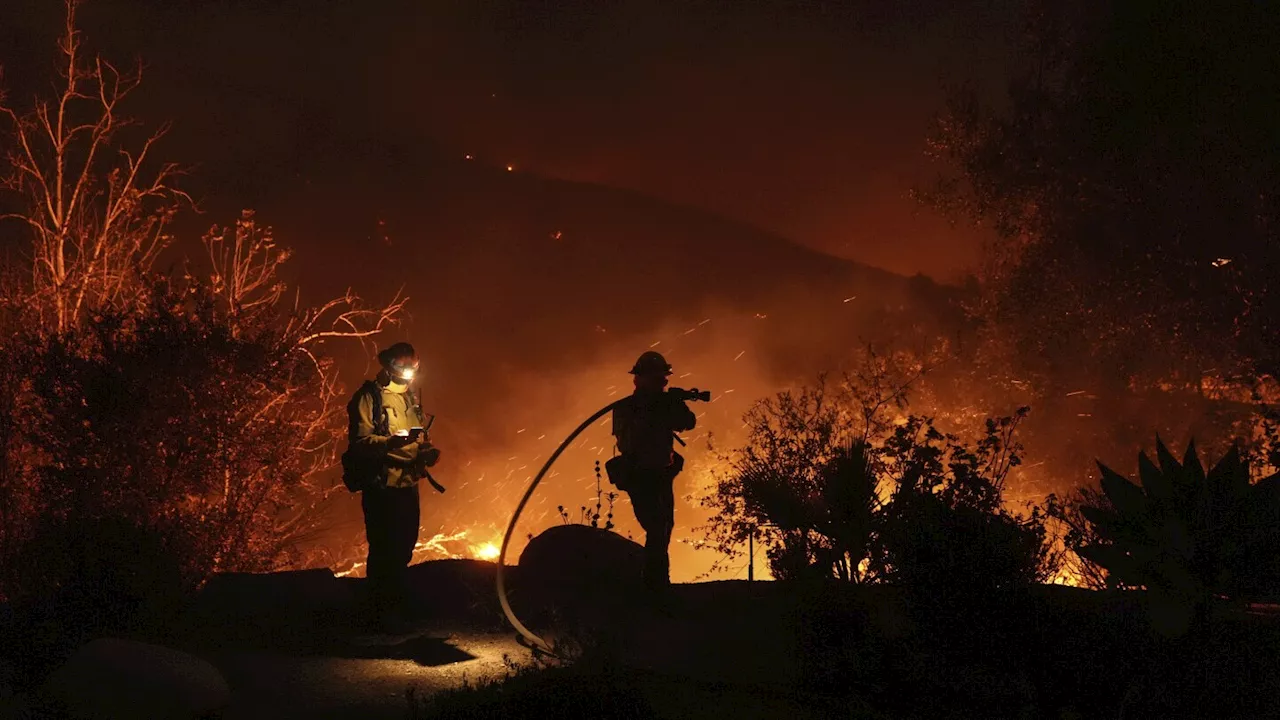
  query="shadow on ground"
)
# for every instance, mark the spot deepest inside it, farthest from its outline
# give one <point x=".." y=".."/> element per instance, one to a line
<point x="426" y="651"/>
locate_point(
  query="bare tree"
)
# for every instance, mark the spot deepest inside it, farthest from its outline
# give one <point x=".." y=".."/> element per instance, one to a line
<point x="244" y="276"/>
<point x="200" y="410"/>
<point x="98" y="209"/>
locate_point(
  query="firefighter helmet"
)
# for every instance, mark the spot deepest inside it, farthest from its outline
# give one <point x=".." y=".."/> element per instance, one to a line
<point x="400" y="361"/>
<point x="651" y="363"/>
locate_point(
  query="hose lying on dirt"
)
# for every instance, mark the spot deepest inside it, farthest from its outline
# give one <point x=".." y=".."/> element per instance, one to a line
<point x="535" y="641"/>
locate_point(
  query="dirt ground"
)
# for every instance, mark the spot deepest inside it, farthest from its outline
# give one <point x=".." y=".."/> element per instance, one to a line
<point x="268" y="684"/>
<point x="298" y="653"/>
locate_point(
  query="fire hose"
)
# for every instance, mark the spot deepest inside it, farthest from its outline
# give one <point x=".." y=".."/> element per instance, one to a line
<point x="535" y="641"/>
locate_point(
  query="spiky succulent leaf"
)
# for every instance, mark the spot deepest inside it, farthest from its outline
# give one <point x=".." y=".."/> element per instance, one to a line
<point x="1268" y="489"/>
<point x="1168" y="463"/>
<point x="1222" y="508"/>
<point x="1127" y="498"/>
<point x="1122" y="568"/>
<point x="1113" y="527"/>
<point x="1106" y="524"/>
<point x="1230" y="476"/>
<point x="1174" y="573"/>
<point x="1263" y="504"/>
<point x="1154" y="481"/>
<point x="1191" y="462"/>
<point x="1174" y="534"/>
<point x="1185" y="485"/>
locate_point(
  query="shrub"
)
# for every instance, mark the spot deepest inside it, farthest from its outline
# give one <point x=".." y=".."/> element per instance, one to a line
<point x="838" y="490"/>
<point x="946" y="527"/>
<point x="154" y="427"/>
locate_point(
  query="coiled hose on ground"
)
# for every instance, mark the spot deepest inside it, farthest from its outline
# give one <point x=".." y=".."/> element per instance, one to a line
<point x="535" y="641"/>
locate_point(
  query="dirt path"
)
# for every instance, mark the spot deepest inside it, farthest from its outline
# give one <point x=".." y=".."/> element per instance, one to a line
<point x="280" y="685"/>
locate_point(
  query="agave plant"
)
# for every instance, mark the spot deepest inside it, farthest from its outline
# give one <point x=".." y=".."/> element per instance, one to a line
<point x="1188" y="533"/>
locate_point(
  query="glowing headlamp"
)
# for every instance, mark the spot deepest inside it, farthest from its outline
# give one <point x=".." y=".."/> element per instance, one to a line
<point x="403" y="373"/>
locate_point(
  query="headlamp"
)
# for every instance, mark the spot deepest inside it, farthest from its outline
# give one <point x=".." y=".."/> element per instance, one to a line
<point x="402" y="373"/>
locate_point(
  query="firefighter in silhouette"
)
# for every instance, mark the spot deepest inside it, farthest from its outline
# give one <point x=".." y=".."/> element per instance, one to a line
<point x="388" y="450"/>
<point x="645" y="424"/>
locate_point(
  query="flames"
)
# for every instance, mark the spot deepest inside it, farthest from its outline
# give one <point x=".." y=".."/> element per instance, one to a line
<point x="715" y="353"/>
<point x="439" y="546"/>
<point x="487" y="551"/>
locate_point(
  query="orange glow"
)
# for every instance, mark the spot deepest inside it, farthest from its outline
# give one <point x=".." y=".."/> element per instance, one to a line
<point x="470" y="523"/>
<point x="487" y="551"/>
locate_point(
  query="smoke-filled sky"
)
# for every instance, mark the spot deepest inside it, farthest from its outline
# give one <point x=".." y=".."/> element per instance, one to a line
<point x="803" y="118"/>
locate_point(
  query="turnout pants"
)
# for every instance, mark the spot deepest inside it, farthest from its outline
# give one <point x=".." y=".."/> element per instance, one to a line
<point x="652" y="495"/>
<point x="391" y="526"/>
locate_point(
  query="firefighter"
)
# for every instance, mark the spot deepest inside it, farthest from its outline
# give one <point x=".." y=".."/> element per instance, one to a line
<point x="387" y="433"/>
<point x="645" y="424"/>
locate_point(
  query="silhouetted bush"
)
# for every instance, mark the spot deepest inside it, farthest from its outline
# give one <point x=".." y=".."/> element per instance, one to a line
<point x="945" y="529"/>
<point x="812" y="482"/>
<point x="154" y="427"/>
<point x="147" y="449"/>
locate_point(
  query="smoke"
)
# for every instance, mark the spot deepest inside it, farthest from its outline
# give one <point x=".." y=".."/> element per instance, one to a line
<point x="493" y="451"/>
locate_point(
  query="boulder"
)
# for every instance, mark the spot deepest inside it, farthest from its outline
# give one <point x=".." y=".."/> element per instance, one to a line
<point x="581" y="561"/>
<point x="279" y="595"/>
<point x="454" y="590"/>
<point x="117" y="679"/>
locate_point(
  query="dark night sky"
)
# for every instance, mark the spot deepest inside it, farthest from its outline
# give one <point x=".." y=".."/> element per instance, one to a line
<point x="804" y="118"/>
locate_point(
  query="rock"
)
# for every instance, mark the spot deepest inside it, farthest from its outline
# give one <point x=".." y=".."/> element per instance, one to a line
<point x="453" y="588"/>
<point x="274" y="595"/>
<point x="117" y="679"/>
<point x="581" y="561"/>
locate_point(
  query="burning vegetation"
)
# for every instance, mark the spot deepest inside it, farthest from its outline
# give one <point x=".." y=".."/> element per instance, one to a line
<point x="867" y="431"/>
<point x="203" y="405"/>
